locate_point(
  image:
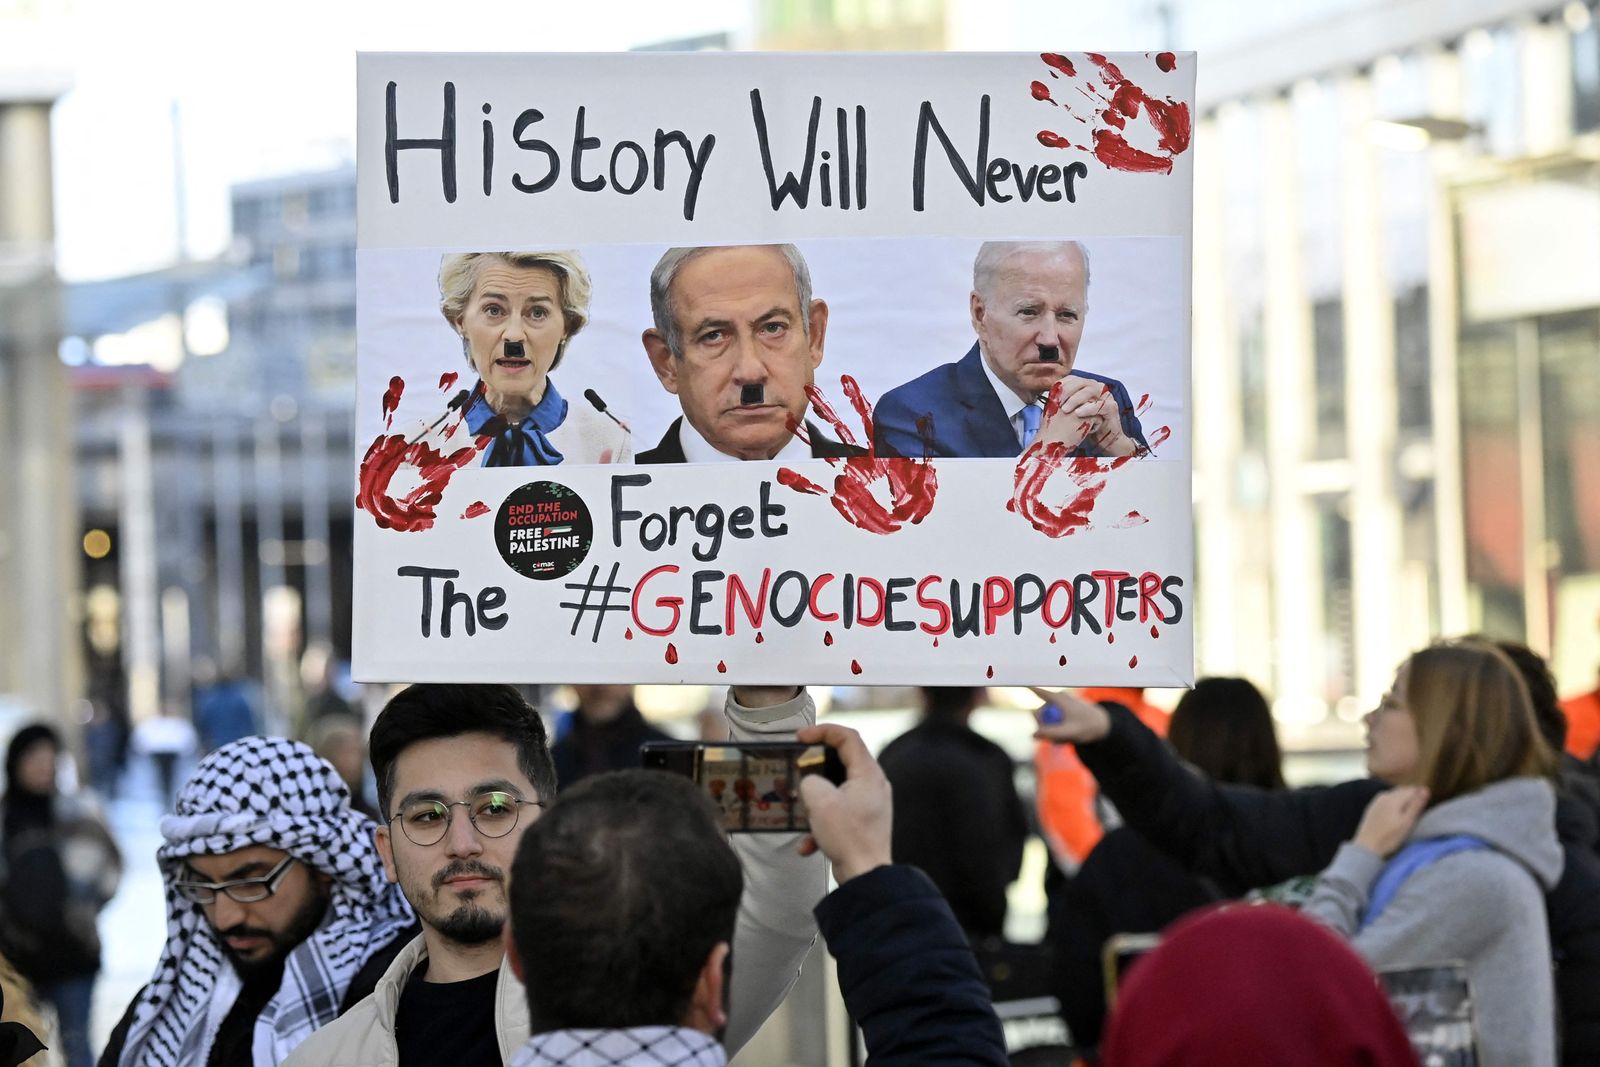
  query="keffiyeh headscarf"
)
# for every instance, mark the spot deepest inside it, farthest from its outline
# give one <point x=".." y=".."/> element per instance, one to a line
<point x="274" y="792"/>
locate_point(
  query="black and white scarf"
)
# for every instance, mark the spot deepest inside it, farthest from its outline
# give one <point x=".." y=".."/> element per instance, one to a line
<point x="274" y="792"/>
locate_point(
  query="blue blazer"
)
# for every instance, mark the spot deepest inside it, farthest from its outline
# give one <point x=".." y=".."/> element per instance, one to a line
<point x="967" y="418"/>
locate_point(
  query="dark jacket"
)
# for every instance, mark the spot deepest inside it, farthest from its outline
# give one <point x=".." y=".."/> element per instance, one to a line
<point x="957" y="816"/>
<point x="670" y="450"/>
<point x="588" y="749"/>
<point x="1245" y="837"/>
<point x="907" y="974"/>
<point x="1125" y="886"/>
<point x="58" y="868"/>
<point x="952" y="411"/>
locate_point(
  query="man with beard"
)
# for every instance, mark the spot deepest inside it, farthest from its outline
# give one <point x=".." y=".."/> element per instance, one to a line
<point x="463" y="771"/>
<point x="275" y="901"/>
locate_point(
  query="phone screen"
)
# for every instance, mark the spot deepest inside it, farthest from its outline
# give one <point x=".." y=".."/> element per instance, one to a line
<point x="755" y="785"/>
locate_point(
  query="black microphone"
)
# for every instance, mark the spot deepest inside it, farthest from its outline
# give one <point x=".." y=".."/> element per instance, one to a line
<point x="456" y="403"/>
<point x="600" y="405"/>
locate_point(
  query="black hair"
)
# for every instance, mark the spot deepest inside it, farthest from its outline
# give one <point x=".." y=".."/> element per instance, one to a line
<point x="618" y="896"/>
<point x="432" y="710"/>
<point x="1547" y="713"/>
<point x="949" y="701"/>
<point x="23" y="740"/>
<point x="1224" y="727"/>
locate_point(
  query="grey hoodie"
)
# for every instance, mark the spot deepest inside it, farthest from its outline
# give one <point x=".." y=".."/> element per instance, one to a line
<point x="1484" y="907"/>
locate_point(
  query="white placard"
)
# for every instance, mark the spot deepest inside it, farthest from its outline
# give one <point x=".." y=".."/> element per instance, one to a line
<point x="965" y="562"/>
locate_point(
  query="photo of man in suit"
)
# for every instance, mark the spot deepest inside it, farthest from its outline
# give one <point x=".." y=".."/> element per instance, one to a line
<point x="1028" y="304"/>
<point x="737" y="338"/>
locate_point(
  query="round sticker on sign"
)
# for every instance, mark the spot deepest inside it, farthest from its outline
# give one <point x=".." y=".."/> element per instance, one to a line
<point x="543" y="530"/>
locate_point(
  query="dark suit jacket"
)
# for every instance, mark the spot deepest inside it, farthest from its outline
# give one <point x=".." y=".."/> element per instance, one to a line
<point x="967" y="419"/>
<point x="670" y="450"/>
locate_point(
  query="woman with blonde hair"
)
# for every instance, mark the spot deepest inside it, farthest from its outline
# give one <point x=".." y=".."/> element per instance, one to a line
<point x="516" y="312"/>
<point x="1453" y="863"/>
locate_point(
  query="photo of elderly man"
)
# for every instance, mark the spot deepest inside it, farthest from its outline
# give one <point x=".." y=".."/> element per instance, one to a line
<point x="737" y="338"/>
<point x="1028" y="305"/>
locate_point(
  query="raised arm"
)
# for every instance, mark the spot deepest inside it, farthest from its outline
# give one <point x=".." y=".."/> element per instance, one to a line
<point x="776" y="928"/>
<point x="1238" y="835"/>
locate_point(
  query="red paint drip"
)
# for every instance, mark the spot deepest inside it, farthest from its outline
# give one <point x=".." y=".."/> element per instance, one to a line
<point x="990" y="672"/>
<point x="799" y="482"/>
<point x="1154" y="631"/>
<point x="759" y="637"/>
<point x="474" y="509"/>
<point x="722" y="667"/>
<point x="827" y="637"/>
<point x="1054" y="140"/>
<point x="447" y="380"/>
<point x="1062" y="662"/>
<point x="1052" y="637"/>
<point x="1143" y="405"/>
<point x="935" y="642"/>
<point x="1129" y="521"/>
<point x="1133" y="662"/>
<point x="391" y="399"/>
<point x="1059" y="62"/>
<point x="855" y="667"/>
<point x="384" y="459"/>
<point x="627" y="635"/>
<point x="1041" y="91"/>
<point x="1111" y="637"/>
<point x="672" y="652"/>
<point x="911" y="483"/>
<point x="1166" y="61"/>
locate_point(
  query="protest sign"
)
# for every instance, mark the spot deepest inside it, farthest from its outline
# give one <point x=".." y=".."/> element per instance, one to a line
<point x="789" y="260"/>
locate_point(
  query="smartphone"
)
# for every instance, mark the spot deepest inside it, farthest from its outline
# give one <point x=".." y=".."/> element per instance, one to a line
<point x="1119" y="953"/>
<point x="754" y="784"/>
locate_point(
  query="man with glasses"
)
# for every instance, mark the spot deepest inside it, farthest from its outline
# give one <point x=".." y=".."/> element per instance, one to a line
<point x="275" y="901"/>
<point x="463" y="771"/>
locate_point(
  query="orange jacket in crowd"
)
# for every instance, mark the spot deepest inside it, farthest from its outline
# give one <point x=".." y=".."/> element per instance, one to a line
<point x="1067" y="791"/>
<point x="1583" y="723"/>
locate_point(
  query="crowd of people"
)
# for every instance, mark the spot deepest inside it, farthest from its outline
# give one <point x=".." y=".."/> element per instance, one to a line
<point x="502" y="899"/>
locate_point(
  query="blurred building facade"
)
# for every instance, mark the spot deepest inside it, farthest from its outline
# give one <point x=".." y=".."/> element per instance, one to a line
<point x="1396" y="345"/>
<point x="40" y="670"/>
<point x="1396" y="317"/>
<point x="214" y="433"/>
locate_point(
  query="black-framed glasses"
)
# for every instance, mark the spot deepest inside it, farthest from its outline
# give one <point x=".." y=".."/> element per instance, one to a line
<point x="493" y="814"/>
<point x="242" y="890"/>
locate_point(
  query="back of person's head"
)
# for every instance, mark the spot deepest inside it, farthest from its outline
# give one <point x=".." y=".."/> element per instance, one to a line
<point x="947" y="702"/>
<point x="619" y="894"/>
<point x="1547" y="714"/>
<point x="1252" y="987"/>
<point x="1474" y="719"/>
<point x="1224" y="727"/>
<point x="429" y="710"/>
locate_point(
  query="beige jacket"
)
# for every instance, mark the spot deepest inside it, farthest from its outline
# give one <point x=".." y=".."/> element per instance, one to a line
<point x="775" y="931"/>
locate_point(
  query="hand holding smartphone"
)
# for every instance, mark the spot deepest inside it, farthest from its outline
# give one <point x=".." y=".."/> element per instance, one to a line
<point x="755" y="784"/>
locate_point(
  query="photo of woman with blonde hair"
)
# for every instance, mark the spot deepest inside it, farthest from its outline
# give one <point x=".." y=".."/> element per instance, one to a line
<point x="516" y="314"/>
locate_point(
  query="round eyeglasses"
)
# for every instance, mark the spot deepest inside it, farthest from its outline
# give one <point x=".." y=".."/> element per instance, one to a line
<point x="242" y="890"/>
<point x="493" y="814"/>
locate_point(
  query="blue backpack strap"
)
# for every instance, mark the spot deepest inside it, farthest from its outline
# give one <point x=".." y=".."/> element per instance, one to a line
<point x="1408" y="861"/>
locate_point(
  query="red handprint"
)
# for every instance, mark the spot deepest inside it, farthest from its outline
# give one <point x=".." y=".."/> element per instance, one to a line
<point x="912" y="483"/>
<point x="390" y="453"/>
<point x="1042" y="459"/>
<point x="413" y="511"/>
<point x="1115" y="100"/>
